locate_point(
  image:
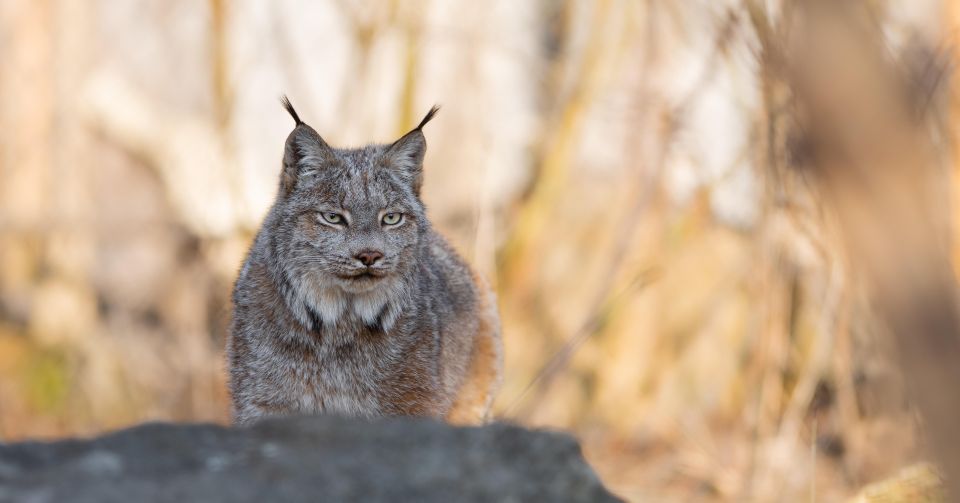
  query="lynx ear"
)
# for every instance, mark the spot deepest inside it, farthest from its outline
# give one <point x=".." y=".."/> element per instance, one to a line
<point x="406" y="154"/>
<point x="305" y="152"/>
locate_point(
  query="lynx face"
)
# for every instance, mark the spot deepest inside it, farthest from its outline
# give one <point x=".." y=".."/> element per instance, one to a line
<point x="357" y="221"/>
<point x="348" y="224"/>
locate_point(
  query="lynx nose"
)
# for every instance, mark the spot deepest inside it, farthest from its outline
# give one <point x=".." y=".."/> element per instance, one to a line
<point x="368" y="257"/>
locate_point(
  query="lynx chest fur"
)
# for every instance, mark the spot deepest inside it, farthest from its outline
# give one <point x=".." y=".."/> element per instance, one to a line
<point x="350" y="303"/>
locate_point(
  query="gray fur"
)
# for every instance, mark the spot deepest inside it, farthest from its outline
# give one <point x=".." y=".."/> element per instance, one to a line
<point x="315" y="330"/>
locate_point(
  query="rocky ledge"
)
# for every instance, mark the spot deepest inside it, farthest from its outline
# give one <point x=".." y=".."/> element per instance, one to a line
<point x="302" y="459"/>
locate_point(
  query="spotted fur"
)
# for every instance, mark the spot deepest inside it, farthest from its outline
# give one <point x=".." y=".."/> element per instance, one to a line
<point x="314" y="330"/>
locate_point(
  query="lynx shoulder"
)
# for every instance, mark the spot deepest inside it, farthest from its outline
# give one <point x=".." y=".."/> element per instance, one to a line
<point x="350" y="303"/>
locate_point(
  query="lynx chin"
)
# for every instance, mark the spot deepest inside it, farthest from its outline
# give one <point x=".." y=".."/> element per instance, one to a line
<point x="350" y="303"/>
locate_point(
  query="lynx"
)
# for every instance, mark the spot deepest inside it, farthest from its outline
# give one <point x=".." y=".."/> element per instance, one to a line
<point x="349" y="302"/>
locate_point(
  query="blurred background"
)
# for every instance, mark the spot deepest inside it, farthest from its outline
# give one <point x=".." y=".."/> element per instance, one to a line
<point x="628" y="174"/>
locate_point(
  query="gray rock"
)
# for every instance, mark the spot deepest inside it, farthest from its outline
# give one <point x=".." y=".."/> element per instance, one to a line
<point x="303" y="459"/>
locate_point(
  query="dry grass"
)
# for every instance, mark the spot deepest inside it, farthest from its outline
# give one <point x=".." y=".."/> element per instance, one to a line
<point x="677" y="286"/>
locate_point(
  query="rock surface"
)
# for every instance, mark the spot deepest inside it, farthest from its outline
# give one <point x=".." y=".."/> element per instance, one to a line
<point x="302" y="459"/>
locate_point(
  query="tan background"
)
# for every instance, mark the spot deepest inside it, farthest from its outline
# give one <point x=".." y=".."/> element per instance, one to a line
<point x="604" y="163"/>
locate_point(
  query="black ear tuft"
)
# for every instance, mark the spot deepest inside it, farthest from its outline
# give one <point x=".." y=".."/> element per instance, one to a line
<point x="305" y="153"/>
<point x="405" y="156"/>
<point x="289" y="106"/>
<point x="433" y="111"/>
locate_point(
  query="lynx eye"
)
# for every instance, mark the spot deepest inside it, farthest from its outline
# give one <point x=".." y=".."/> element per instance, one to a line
<point x="331" y="218"/>
<point x="392" y="218"/>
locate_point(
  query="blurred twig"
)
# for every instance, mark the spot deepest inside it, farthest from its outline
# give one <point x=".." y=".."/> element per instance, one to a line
<point x="219" y="54"/>
<point x="601" y="305"/>
<point x="591" y="326"/>
<point x="875" y="166"/>
<point x="558" y="153"/>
